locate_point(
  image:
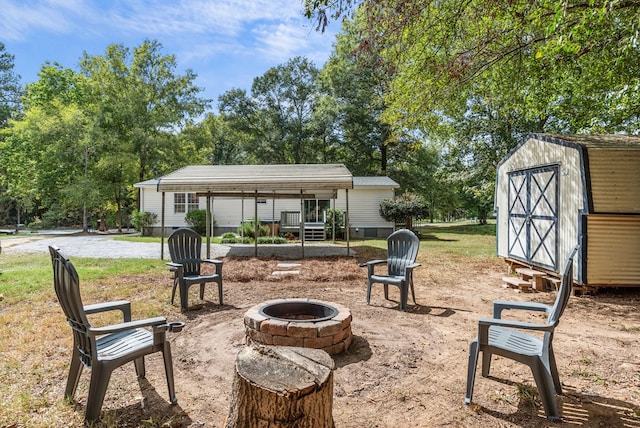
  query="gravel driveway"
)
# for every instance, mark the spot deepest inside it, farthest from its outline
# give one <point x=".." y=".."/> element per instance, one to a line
<point x="104" y="246"/>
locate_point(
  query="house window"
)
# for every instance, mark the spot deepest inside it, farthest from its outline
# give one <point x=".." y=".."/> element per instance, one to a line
<point x="192" y="202"/>
<point x="314" y="210"/>
<point x="185" y="202"/>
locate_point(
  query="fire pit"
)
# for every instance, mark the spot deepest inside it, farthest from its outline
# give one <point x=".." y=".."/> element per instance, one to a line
<point x="305" y="323"/>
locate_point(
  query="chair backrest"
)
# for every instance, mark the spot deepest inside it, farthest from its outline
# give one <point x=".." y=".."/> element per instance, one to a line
<point x="67" y="286"/>
<point x="185" y="247"/>
<point x="402" y="250"/>
<point x="564" y="292"/>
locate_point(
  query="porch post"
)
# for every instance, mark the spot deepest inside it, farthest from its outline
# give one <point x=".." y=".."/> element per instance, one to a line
<point x="334" y="216"/>
<point x="162" y="229"/>
<point x="347" y="226"/>
<point x="256" y="227"/>
<point x="242" y="217"/>
<point x="273" y="217"/>
<point x="302" y="222"/>
<point x="208" y="227"/>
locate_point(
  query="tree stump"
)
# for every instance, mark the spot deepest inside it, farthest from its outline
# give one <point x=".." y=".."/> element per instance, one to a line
<point x="281" y="386"/>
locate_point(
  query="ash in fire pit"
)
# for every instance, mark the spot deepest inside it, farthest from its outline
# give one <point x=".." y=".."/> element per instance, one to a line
<point x="300" y="322"/>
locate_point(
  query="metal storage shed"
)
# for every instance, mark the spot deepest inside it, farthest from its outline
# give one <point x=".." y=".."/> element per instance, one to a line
<point x="555" y="191"/>
<point x="296" y="181"/>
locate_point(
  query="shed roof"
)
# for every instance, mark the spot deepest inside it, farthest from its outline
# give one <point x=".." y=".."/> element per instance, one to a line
<point x="260" y="178"/>
<point x="607" y="141"/>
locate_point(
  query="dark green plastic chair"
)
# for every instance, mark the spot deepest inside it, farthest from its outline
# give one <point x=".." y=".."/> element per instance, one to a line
<point x="402" y="250"/>
<point x="103" y="349"/>
<point x="508" y="339"/>
<point x="185" y="248"/>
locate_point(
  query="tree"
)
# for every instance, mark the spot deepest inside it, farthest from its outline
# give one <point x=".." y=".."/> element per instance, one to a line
<point x="142" y="103"/>
<point x="50" y="151"/>
<point x="10" y="90"/>
<point x="358" y="77"/>
<point x="404" y="208"/>
<point x="444" y="48"/>
<point x="278" y="118"/>
<point x="212" y="141"/>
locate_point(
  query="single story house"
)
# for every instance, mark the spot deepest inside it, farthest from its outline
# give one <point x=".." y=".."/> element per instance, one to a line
<point x="237" y="193"/>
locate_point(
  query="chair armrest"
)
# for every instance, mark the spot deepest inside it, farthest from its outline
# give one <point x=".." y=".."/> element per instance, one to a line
<point x="371" y="265"/>
<point x="523" y="325"/>
<point x="173" y="266"/>
<point x="500" y="305"/>
<point x="131" y="325"/>
<point x="485" y="323"/>
<point x="217" y="263"/>
<point x="122" y="305"/>
<point x="413" y="266"/>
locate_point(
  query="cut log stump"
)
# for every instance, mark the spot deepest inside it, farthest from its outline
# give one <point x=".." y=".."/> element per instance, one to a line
<point x="280" y="386"/>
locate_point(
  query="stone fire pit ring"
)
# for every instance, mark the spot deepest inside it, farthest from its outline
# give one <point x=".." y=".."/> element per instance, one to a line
<point x="306" y="323"/>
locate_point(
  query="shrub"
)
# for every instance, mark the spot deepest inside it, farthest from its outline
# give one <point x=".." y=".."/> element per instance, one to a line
<point x="247" y="228"/>
<point x="232" y="238"/>
<point x="404" y="208"/>
<point x="197" y="220"/>
<point x="271" y="240"/>
<point x="143" y="220"/>
<point x="36" y="224"/>
<point x="328" y="225"/>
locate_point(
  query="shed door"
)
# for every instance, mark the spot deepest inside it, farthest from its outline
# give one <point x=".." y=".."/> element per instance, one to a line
<point x="533" y="216"/>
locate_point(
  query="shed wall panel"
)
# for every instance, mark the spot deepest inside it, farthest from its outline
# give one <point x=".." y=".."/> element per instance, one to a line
<point x="615" y="180"/>
<point x="534" y="153"/>
<point x="613" y="250"/>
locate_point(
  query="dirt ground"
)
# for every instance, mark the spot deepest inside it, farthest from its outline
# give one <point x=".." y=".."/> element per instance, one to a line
<point x="403" y="369"/>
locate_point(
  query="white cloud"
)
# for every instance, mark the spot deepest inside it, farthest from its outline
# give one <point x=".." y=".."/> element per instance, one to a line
<point x="281" y="41"/>
<point x="18" y="21"/>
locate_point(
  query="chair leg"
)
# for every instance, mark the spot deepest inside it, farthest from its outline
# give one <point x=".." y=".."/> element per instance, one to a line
<point x="97" y="389"/>
<point x="220" y="293"/>
<point x="546" y="389"/>
<point x="75" y="370"/>
<point x="404" y="296"/>
<point x="184" y="297"/>
<point x="202" y="291"/>
<point x="140" y="369"/>
<point x="413" y="292"/>
<point x="386" y="291"/>
<point x="368" y="292"/>
<point x="553" y="368"/>
<point x="486" y="363"/>
<point x="168" y="370"/>
<point x="173" y="291"/>
<point x="471" y="370"/>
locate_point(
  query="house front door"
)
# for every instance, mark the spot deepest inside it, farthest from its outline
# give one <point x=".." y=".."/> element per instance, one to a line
<point x="533" y="216"/>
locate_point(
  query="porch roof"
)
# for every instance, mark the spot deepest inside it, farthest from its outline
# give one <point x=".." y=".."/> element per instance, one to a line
<point x="221" y="179"/>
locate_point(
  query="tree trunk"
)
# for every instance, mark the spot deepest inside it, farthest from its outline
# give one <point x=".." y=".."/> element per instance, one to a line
<point x="282" y="387"/>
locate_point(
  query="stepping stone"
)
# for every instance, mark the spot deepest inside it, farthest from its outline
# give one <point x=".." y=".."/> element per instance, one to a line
<point x="286" y="266"/>
<point x="285" y="272"/>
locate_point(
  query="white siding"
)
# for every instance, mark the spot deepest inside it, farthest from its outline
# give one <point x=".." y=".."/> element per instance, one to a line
<point x="364" y="207"/>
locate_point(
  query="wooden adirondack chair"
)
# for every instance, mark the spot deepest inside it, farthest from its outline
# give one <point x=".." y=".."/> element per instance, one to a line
<point x="103" y="349"/>
<point x="402" y="250"/>
<point x="508" y="339"/>
<point x="185" y="248"/>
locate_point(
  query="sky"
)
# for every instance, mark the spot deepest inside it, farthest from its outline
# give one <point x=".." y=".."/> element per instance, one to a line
<point x="227" y="43"/>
